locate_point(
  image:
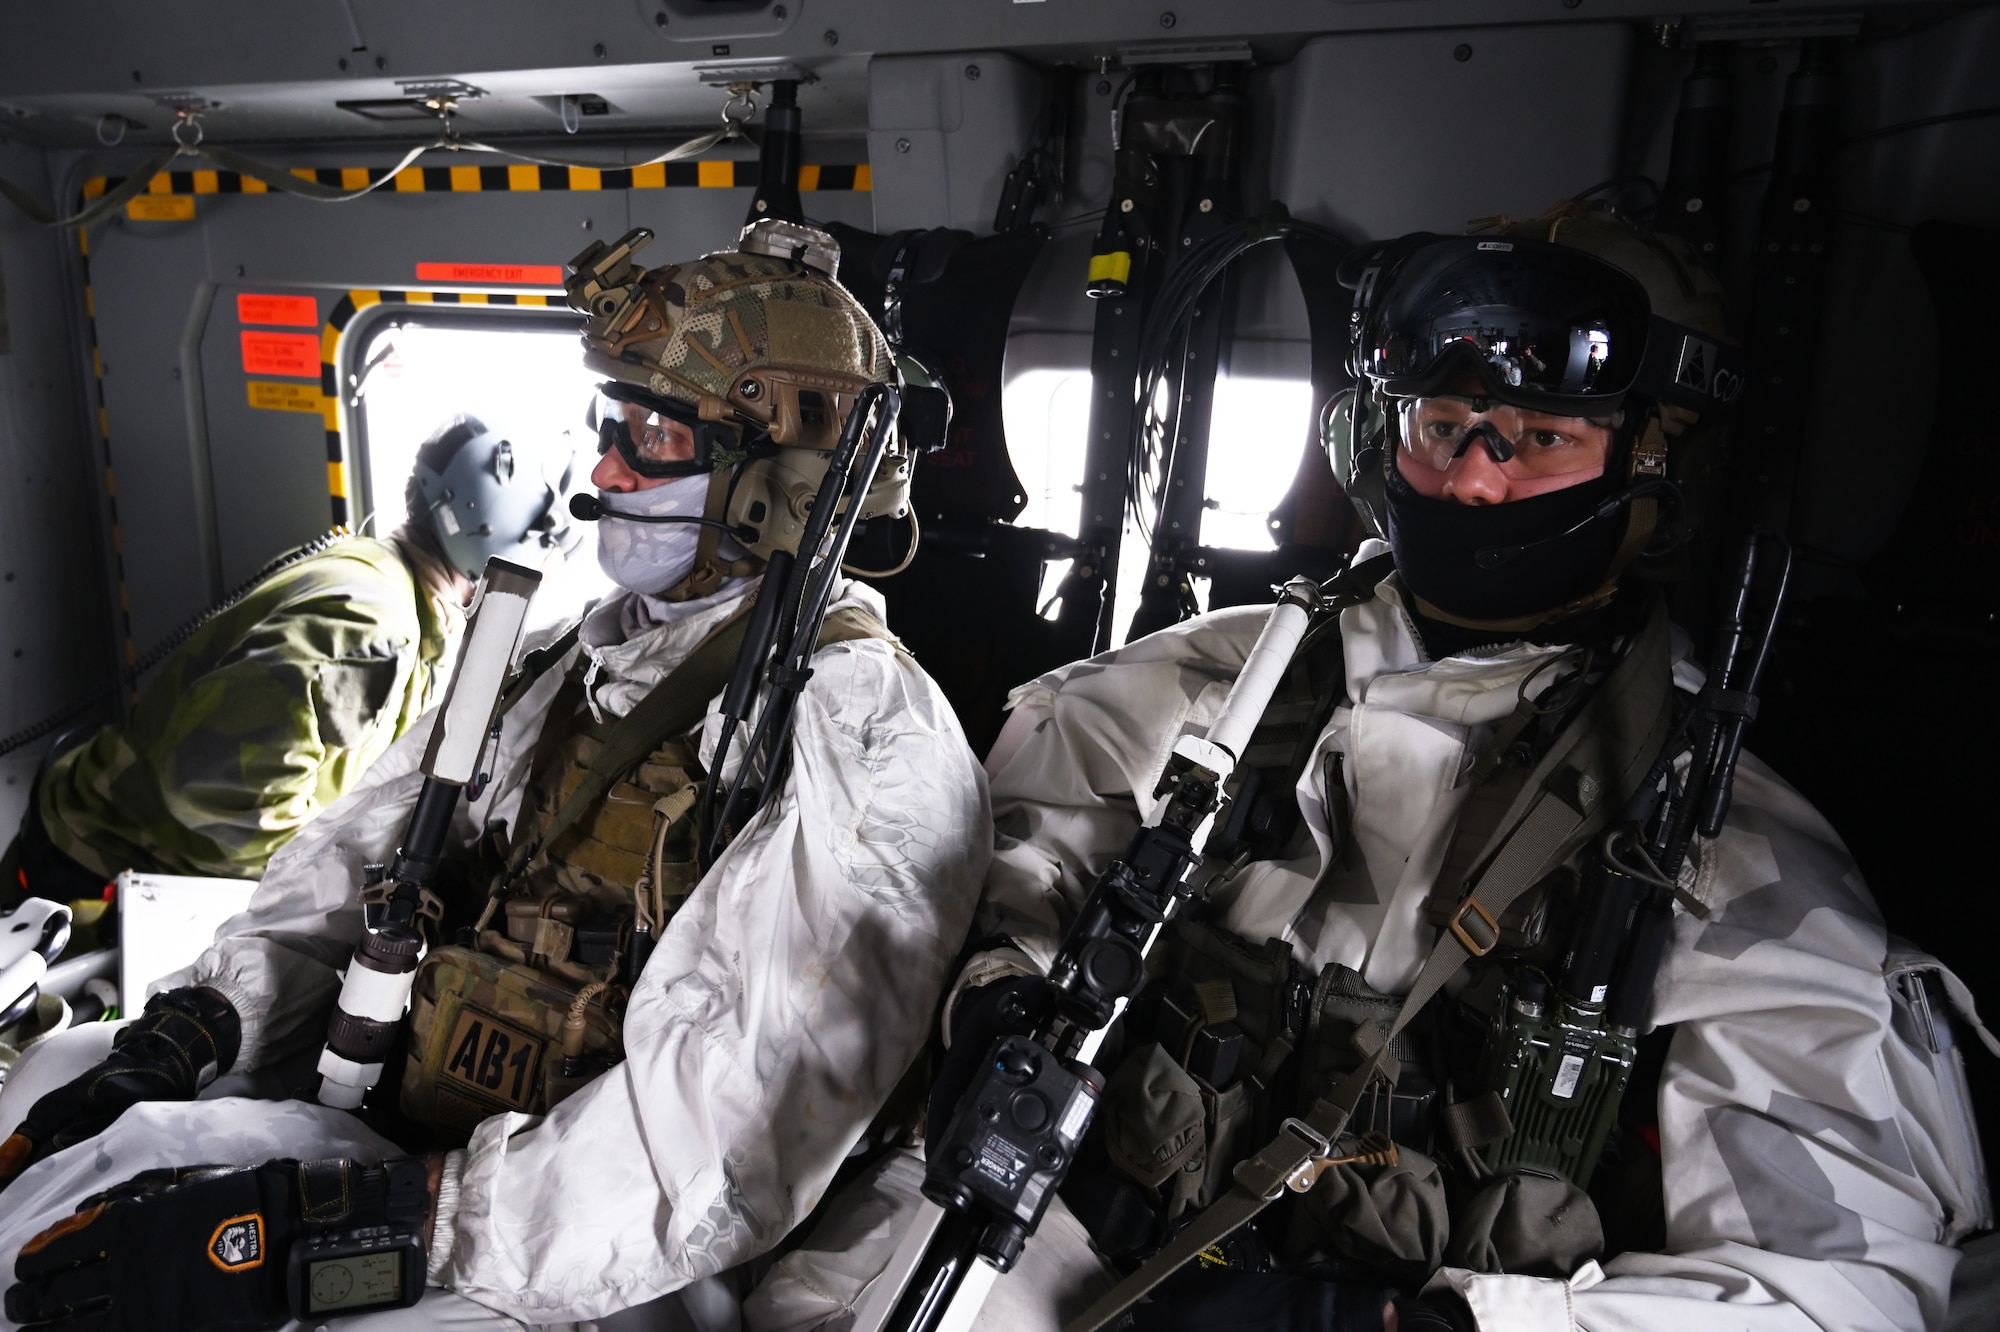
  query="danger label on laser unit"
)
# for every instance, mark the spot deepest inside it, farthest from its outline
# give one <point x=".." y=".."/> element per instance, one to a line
<point x="281" y="354"/>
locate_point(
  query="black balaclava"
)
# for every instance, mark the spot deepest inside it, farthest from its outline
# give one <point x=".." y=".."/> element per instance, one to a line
<point x="1437" y="543"/>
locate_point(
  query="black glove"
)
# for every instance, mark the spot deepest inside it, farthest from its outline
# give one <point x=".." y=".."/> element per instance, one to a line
<point x="1009" y="1007"/>
<point x="177" y="1047"/>
<point x="1436" y="1311"/>
<point x="190" y="1247"/>
<point x="1214" y="1301"/>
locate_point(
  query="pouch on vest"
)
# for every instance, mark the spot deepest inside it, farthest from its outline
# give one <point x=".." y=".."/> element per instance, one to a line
<point x="560" y="944"/>
<point x="1342" y="1005"/>
<point x="547" y="980"/>
<point x="1392" y="1219"/>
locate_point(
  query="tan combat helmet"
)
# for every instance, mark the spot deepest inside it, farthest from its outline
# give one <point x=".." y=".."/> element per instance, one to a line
<point x="760" y="342"/>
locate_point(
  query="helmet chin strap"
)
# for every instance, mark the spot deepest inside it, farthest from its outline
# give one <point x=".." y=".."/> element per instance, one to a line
<point x="1646" y="473"/>
<point x="709" y="569"/>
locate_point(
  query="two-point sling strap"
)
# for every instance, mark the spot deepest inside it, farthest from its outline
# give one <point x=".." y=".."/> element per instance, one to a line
<point x="1591" y="770"/>
<point x="673" y="707"/>
<point x="670" y="708"/>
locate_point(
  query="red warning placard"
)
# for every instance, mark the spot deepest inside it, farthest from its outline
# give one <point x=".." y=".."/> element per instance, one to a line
<point x="515" y="275"/>
<point x="261" y="308"/>
<point x="280" y="354"/>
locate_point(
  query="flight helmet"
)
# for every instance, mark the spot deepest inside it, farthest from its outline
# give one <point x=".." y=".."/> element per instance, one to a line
<point x="478" y="493"/>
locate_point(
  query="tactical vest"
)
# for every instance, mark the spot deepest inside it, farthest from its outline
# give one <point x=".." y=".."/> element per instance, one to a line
<point x="533" y="1006"/>
<point x="1231" y="1037"/>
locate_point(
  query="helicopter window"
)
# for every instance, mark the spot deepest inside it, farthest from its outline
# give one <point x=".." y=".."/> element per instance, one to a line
<point x="1047" y="412"/>
<point x="516" y="372"/>
<point x="1257" y="428"/>
<point x="1256" y="431"/>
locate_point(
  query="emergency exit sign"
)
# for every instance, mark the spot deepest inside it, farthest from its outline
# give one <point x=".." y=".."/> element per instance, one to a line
<point x="253" y="307"/>
<point x="512" y="275"/>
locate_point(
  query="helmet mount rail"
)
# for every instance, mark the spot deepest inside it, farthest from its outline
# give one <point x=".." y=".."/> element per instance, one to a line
<point x="791" y="606"/>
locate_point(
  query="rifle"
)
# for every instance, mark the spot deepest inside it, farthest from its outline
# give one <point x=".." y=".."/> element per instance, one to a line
<point x="397" y="900"/>
<point x="1562" y="1060"/>
<point x="1005" y="1152"/>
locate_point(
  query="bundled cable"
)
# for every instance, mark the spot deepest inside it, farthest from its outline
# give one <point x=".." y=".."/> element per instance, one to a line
<point x="1163" y="345"/>
<point x="737" y="113"/>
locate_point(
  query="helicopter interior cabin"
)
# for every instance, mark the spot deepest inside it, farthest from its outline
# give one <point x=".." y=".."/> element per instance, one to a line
<point x="252" y="254"/>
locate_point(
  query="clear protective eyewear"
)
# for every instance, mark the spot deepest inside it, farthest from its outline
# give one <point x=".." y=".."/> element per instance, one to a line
<point x="657" y="437"/>
<point x="1437" y="431"/>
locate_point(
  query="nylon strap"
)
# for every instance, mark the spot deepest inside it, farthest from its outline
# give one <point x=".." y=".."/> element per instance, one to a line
<point x="674" y="706"/>
<point x="1585" y="778"/>
<point x="114" y="201"/>
<point x="670" y="708"/>
<point x="535" y="665"/>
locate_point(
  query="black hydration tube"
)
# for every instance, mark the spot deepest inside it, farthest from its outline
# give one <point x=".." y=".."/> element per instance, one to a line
<point x="793" y="618"/>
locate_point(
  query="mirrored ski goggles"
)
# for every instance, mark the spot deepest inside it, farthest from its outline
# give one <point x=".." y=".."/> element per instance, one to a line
<point x="659" y="436"/>
<point x="1438" y="431"/>
<point x="1536" y="324"/>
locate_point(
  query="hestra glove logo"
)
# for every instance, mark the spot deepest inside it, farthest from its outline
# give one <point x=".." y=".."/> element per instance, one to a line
<point x="238" y="1243"/>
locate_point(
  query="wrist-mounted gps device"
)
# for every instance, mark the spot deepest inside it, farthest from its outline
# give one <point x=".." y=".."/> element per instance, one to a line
<point x="361" y="1244"/>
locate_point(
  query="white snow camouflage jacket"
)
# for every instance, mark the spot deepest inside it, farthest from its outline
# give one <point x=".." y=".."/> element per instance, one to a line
<point x="1815" y="1176"/>
<point x="779" y="1009"/>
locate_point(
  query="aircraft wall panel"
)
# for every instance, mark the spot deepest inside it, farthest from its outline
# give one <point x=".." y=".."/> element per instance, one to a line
<point x="55" y="648"/>
<point x="943" y="132"/>
<point x="212" y="487"/>
<point x="1386" y="133"/>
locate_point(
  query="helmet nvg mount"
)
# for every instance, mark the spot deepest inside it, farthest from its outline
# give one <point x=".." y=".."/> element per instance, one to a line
<point x="481" y="494"/>
<point x="762" y="344"/>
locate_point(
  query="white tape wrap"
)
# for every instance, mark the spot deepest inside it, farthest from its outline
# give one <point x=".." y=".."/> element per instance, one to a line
<point x="492" y="633"/>
<point x="343" y="1082"/>
<point x="375" y="995"/>
<point x="1261" y="674"/>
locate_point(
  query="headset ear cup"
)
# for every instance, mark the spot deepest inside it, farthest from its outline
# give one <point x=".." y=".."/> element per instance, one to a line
<point x="1365" y="491"/>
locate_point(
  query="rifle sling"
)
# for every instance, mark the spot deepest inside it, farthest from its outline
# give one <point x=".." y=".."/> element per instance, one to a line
<point x="1587" y="775"/>
<point x="677" y="704"/>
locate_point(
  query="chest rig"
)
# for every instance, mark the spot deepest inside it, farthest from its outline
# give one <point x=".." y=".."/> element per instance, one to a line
<point x="529" y="1005"/>
<point x="1234" y="1042"/>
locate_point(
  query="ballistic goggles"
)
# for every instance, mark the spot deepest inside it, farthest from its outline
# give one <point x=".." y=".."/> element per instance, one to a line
<point x="660" y="437"/>
<point x="1524" y="444"/>
<point x="1537" y="325"/>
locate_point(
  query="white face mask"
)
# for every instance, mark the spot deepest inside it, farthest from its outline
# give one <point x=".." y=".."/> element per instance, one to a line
<point x="651" y="557"/>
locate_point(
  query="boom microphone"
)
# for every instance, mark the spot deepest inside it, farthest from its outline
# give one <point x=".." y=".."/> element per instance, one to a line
<point x="590" y="509"/>
<point x="1492" y="557"/>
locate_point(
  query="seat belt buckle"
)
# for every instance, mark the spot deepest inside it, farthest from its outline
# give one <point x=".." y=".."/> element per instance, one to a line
<point x="1491" y="926"/>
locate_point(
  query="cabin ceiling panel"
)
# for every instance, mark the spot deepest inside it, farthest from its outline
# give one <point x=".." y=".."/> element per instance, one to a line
<point x="278" y="69"/>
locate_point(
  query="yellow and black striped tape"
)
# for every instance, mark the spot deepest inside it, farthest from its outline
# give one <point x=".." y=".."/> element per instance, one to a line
<point x="130" y="649"/>
<point x="723" y="175"/>
<point x="726" y="174"/>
